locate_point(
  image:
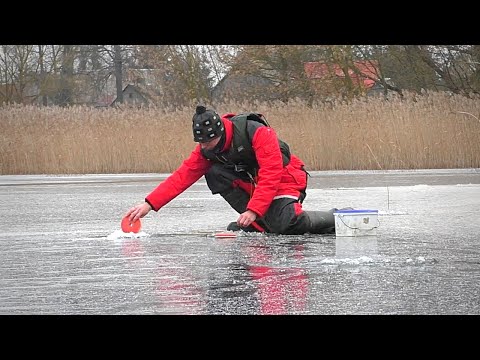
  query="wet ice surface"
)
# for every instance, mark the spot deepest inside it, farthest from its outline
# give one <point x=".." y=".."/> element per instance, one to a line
<point x="61" y="252"/>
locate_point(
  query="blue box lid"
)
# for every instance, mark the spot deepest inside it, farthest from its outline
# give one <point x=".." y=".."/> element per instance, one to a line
<point x="355" y="211"/>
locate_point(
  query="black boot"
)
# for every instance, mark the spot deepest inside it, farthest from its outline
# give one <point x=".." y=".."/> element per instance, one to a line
<point x="321" y="222"/>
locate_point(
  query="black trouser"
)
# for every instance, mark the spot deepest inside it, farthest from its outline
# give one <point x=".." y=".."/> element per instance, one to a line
<point x="280" y="217"/>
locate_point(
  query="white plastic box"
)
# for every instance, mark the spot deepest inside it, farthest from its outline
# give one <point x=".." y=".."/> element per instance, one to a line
<point x="356" y="222"/>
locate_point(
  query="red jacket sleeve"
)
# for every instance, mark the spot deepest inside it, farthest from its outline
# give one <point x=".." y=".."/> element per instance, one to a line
<point x="269" y="158"/>
<point x="192" y="169"/>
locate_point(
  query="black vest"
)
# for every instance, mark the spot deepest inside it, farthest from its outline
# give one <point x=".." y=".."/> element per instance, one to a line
<point x="241" y="156"/>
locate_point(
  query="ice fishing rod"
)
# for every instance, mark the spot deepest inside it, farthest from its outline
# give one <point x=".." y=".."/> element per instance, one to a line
<point x="380" y="166"/>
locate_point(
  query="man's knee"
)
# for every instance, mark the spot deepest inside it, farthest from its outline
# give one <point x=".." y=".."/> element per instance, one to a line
<point x="285" y="216"/>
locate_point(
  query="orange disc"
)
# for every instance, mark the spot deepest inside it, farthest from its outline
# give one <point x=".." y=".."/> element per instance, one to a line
<point x="127" y="226"/>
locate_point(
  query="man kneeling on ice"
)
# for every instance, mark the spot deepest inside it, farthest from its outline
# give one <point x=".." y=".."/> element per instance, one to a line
<point x="243" y="160"/>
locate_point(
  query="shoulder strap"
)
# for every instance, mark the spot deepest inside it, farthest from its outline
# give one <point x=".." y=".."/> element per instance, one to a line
<point x="244" y="141"/>
<point x="251" y="116"/>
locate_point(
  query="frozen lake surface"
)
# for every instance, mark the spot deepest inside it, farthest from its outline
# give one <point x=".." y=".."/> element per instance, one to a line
<point x="61" y="253"/>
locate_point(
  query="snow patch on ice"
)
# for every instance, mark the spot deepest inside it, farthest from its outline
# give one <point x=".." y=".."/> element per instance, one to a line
<point x="119" y="234"/>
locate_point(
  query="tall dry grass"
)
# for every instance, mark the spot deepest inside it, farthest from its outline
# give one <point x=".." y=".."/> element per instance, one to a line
<point x="431" y="131"/>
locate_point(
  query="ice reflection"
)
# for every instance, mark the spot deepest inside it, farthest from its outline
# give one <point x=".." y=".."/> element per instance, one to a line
<point x="355" y="246"/>
<point x="280" y="290"/>
<point x="176" y="286"/>
<point x="179" y="289"/>
<point x="230" y="276"/>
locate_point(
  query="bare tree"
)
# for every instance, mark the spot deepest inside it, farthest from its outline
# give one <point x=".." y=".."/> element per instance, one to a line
<point x="64" y="97"/>
<point x="117" y="58"/>
<point x="452" y="68"/>
<point x="68" y="74"/>
<point x="16" y="65"/>
<point x="41" y="63"/>
<point x="278" y="69"/>
<point x="185" y="73"/>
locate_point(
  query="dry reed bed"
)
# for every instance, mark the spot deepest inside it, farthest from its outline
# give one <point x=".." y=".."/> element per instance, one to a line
<point x="421" y="132"/>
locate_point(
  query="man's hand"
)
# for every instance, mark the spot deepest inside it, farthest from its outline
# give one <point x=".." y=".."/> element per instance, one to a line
<point x="246" y="218"/>
<point x="138" y="211"/>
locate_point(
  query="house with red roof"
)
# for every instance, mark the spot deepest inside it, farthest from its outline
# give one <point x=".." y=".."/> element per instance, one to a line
<point x="363" y="73"/>
<point x="327" y="79"/>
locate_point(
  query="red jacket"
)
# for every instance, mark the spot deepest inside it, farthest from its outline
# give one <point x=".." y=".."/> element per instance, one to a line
<point x="273" y="179"/>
